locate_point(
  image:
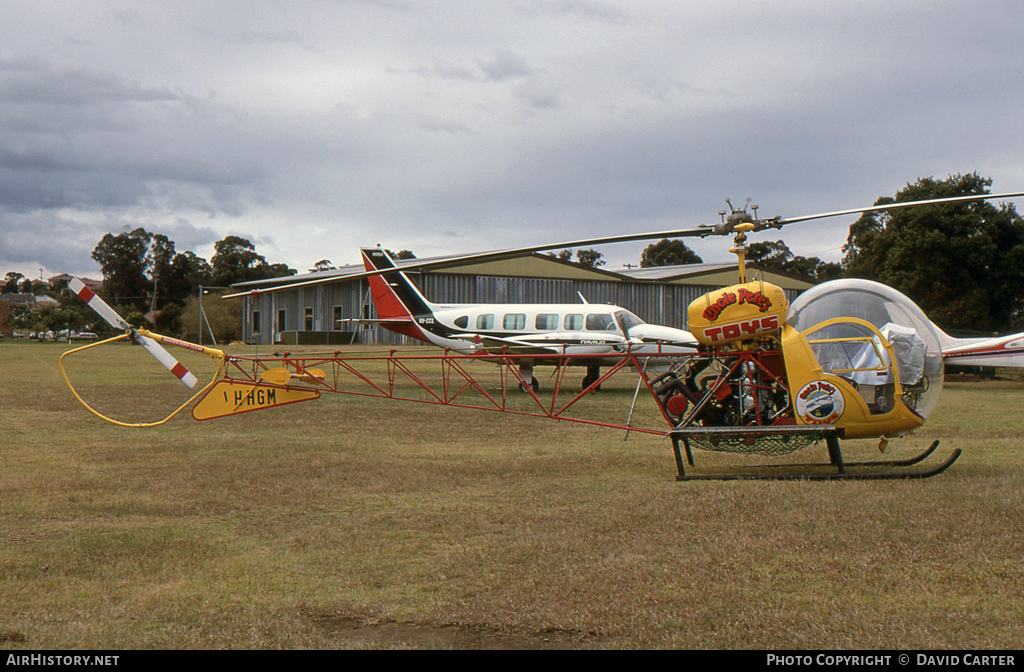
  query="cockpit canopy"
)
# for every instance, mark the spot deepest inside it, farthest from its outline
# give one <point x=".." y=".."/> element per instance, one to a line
<point x="918" y="355"/>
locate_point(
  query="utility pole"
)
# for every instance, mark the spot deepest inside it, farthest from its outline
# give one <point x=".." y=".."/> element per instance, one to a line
<point x="202" y="314"/>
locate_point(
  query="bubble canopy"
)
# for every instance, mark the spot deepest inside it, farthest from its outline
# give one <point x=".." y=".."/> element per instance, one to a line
<point x="880" y="305"/>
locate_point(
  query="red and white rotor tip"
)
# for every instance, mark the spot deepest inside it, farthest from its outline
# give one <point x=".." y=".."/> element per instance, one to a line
<point x="116" y="321"/>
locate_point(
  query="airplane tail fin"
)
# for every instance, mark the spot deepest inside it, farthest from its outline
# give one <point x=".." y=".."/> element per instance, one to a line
<point x="396" y="298"/>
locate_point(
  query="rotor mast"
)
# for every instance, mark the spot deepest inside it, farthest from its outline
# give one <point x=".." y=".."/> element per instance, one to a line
<point x="739" y="222"/>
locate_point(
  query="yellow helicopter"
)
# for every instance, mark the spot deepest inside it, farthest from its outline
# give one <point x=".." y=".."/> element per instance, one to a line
<point x="849" y="359"/>
<point x="767" y="382"/>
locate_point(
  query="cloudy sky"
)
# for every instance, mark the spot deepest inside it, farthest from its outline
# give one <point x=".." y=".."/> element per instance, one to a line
<point x="312" y="127"/>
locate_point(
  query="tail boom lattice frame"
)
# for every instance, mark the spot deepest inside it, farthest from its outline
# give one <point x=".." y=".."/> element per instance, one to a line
<point x="450" y="382"/>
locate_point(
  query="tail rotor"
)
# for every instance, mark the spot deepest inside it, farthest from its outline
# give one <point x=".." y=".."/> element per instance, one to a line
<point x="118" y="322"/>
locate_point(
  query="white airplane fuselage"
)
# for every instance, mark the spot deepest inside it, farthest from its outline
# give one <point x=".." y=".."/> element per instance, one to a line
<point x="563" y="328"/>
<point x="569" y="329"/>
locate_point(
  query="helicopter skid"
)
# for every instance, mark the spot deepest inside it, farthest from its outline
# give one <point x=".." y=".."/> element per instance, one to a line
<point x="866" y="470"/>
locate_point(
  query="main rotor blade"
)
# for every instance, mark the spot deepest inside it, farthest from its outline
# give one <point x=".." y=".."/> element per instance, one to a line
<point x="497" y="255"/>
<point x="118" y="322"/>
<point x="701" y="232"/>
<point x="892" y="206"/>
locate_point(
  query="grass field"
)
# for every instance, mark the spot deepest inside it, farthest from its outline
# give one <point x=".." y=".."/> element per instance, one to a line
<point x="353" y="522"/>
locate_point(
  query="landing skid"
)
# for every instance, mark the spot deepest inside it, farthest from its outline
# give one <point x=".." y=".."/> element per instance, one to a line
<point x="835" y="459"/>
<point x="908" y="462"/>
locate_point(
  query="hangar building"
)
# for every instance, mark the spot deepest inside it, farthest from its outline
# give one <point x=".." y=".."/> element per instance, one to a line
<point x="326" y="313"/>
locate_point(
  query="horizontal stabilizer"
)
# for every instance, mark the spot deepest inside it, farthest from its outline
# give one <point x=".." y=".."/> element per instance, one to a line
<point x="383" y="320"/>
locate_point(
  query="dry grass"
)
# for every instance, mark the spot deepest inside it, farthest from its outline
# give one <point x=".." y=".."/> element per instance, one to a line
<point x="354" y="522"/>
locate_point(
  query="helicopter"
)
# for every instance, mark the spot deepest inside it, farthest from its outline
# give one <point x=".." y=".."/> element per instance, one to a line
<point x="848" y="359"/>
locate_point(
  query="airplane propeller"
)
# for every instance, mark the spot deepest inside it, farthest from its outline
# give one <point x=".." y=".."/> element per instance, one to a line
<point x="116" y="321"/>
<point x="730" y="220"/>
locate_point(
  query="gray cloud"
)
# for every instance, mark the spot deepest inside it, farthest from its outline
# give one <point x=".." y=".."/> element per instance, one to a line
<point x="445" y="127"/>
<point x="35" y="82"/>
<point x="504" y="66"/>
<point x="500" y="66"/>
<point x="589" y="10"/>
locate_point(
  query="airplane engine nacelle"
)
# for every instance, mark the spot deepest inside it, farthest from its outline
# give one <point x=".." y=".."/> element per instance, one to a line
<point x="738" y="312"/>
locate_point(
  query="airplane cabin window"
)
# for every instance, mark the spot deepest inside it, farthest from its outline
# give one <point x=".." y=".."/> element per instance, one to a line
<point x="514" y="321"/>
<point x="462" y="321"/>
<point x="546" y="322"/>
<point x="600" y="322"/>
<point x="573" y="322"/>
<point x="485" y="321"/>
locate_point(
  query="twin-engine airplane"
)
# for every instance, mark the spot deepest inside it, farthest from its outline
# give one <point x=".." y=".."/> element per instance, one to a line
<point x="531" y="328"/>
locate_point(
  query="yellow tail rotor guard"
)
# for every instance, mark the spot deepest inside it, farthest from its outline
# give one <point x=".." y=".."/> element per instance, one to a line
<point x="211" y="352"/>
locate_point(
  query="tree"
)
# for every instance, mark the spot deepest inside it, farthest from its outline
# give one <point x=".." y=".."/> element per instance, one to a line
<point x="236" y="260"/>
<point x="11" y="283"/>
<point x="322" y="265"/>
<point x="589" y="258"/>
<point x="223" y="317"/>
<point x="962" y="263"/>
<point x="776" y="256"/>
<point x="668" y="253"/>
<point x="124" y="259"/>
<point x="160" y="258"/>
<point x="188" y="271"/>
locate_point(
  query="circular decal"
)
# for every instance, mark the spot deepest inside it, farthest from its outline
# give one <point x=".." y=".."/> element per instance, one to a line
<point x="819" y="403"/>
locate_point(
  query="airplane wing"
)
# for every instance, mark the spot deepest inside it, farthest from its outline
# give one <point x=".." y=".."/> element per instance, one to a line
<point x="497" y="344"/>
<point x="554" y="343"/>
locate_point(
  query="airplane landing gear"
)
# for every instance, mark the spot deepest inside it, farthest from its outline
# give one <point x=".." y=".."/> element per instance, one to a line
<point x="526" y="370"/>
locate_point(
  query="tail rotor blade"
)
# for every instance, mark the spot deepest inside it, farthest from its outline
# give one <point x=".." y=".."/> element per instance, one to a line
<point x="118" y="322"/>
<point x="98" y="305"/>
<point x="165" y="358"/>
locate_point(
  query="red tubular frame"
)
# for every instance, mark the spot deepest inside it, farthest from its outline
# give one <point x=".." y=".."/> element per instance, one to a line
<point x="350" y="374"/>
<point x="741" y="358"/>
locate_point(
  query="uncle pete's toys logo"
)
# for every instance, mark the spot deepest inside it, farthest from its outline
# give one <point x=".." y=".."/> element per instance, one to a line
<point x="820" y="403"/>
<point x="742" y="296"/>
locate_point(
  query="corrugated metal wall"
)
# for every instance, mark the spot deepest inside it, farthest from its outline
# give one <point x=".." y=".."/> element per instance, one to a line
<point x="656" y="303"/>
